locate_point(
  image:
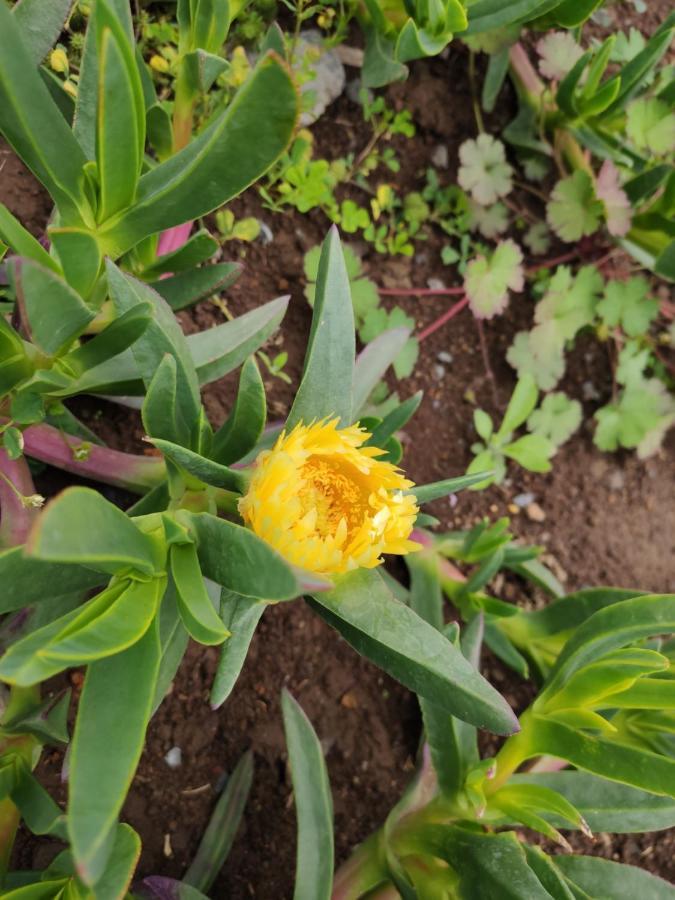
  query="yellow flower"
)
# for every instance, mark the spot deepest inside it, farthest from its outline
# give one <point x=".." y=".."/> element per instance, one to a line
<point x="326" y="503"/>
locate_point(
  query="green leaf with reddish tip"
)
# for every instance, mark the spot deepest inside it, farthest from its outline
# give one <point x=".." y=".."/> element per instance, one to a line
<point x="80" y="526"/>
<point x="112" y="718"/>
<point x="397" y="640"/>
<point x="237" y="559"/>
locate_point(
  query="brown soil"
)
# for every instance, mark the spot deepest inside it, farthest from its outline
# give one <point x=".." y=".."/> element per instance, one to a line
<point x="609" y="519"/>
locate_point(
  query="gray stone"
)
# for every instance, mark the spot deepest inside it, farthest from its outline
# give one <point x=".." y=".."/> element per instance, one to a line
<point x="329" y="75"/>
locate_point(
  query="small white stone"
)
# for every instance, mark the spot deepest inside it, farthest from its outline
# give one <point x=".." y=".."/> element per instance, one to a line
<point x="174" y="758"/>
<point x="523" y="500"/>
<point x="444" y="356"/>
<point x="435" y="284"/>
<point x="440" y="157"/>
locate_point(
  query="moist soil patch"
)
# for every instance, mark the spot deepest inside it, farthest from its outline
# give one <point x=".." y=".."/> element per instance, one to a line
<point x="605" y="519"/>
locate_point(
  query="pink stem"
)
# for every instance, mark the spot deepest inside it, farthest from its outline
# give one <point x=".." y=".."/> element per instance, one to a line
<point x="449" y="314"/>
<point x="548" y="764"/>
<point x="420" y="292"/>
<point x="125" y="470"/>
<point x="173" y="238"/>
<point x="15" y="516"/>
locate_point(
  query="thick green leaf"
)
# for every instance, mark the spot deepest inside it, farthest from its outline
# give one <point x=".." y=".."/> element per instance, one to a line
<point x="610" y="628"/>
<point x="241" y="431"/>
<point x="164" y="335"/>
<point x="120" y="334"/>
<point x="453" y="743"/>
<point x="80" y="526"/>
<point x="313" y="804"/>
<point x="214" y="352"/>
<point x="126" y="851"/>
<point x="237" y="559"/>
<point x="196" y="609"/>
<point x="633" y="72"/>
<point x="389" y="633"/>
<point x="118" y="627"/>
<point x="53" y="311"/>
<point x="197" y="249"/>
<point x="425" y="493"/>
<point x="33" y="124"/>
<point x="26" y="581"/>
<point x="372" y="363"/>
<point x="40" y="813"/>
<point x="426" y="597"/>
<point x="79" y="255"/>
<point x="187" y="288"/>
<point x="120" y="114"/>
<point x="228" y="156"/>
<point x="241" y="616"/>
<point x="41" y="23"/>
<point x="396" y="419"/>
<point x="607" y="880"/>
<point x="159" y="406"/>
<point x="606" y="805"/>
<point x="489" y="866"/>
<point x="219" y="836"/>
<point x="486" y="15"/>
<point x="112" y="717"/>
<point x="22" y="242"/>
<point x="640" y="768"/>
<point x="328" y="376"/>
<point x="204" y="470"/>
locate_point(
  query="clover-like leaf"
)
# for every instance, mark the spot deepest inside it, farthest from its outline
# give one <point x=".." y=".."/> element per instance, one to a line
<point x="570" y="301"/>
<point x="614" y="199"/>
<point x="628" y="304"/>
<point x="491" y="221"/>
<point x="488" y="279"/>
<point x="650" y="124"/>
<point x="538" y="353"/>
<point x="633" y="360"/>
<point x="558" y="52"/>
<point x="574" y="211"/>
<point x="537" y="238"/>
<point x="638" y="411"/>
<point x="557" y="418"/>
<point x="484" y="171"/>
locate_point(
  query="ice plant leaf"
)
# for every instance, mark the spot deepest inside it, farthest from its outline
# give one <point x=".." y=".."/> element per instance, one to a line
<point x="80" y="526"/>
<point x="240" y="616"/>
<point x="112" y="717"/>
<point x="558" y="52"/>
<point x="26" y="580"/>
<point x="313" y="803"/>
<point x="614" y="199"/>
<point x="326" y="502"/>
<point x="484" y="171"/>
<point x="196" y="609"/>
<point x="590" y="875"/>
<point x="328" y="375"/>
<point x="574" y="210"/>
<point x="373" y="362"/>
<point x="242" y="429"/>
<point x="487" y="281"/>
<point x="397" y="640"/>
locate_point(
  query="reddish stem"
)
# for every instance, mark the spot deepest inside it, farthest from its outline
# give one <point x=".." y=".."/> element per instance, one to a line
<point x="447" y="315"/>
<point x="15" y="516"/>
<point x="420" y="292"/>
<point x="125" y="470"/>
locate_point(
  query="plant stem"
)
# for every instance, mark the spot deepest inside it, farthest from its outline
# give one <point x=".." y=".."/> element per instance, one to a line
<point x="421" y="292"/>
<point x="124" y="470"/>
<point x="16" y="515"/>
<point x="486" y="359"/>
<point x="449" y="314"/>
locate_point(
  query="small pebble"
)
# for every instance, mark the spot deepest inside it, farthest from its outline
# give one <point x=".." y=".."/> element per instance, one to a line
<point x="589" y="391"/>
<point x="439" y="372"/>
<point x="523" y="500"/>
<point x="513" y="509"/>
<point x="436" y="284"/>
<point x="616" y="481"/>
<point x="440" y="157"/>
<point x="174" y="758"/>
<point x="444" y="356"/>
<point x="266" y="234"/>
<point x="535" y="513"/>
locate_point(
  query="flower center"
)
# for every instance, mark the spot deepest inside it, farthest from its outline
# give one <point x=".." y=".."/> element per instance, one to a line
<point x="333" y="494"/>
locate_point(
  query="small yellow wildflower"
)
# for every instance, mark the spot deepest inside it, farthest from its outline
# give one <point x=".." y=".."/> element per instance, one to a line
<point x="158" y="63"/>
<point x="326" y="503"/>
<point x="58" y="60"/>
